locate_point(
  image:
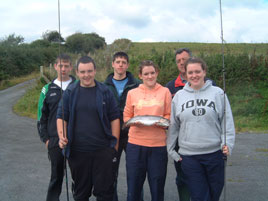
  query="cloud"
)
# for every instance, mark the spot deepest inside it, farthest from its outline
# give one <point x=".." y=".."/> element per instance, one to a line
<point x="245" y="24"/>
<point x="139" y="20"/>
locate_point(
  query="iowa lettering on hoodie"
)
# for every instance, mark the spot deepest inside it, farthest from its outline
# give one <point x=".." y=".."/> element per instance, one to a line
<point x="200" y="103"/>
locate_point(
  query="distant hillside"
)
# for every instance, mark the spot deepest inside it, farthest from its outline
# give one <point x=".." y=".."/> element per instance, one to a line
<point x="197" y="48"/>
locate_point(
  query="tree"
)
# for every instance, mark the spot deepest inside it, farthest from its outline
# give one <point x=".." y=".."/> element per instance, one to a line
<point x="12" y="40"/>
<point x="52" y="36"/>
<point x="75" y="42"/>
<point x="40" y="43"/>
<point x="84" y="43"/>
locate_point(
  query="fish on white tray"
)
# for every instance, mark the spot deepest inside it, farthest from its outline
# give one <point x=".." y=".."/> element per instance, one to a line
<point x="148" y="120"/>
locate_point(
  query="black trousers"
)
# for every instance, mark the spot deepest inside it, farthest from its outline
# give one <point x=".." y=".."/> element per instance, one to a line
<point x="93" y="170"/>
<point x="57" y="161"/>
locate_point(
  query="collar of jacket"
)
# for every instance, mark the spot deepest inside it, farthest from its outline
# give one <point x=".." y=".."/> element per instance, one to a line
<point x="71" y="76"/>
<point x="178" y="82"/>
<point x="111" y="75"/>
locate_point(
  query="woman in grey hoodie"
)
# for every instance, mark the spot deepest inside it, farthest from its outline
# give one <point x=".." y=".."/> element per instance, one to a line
<point x="197" y="122"/>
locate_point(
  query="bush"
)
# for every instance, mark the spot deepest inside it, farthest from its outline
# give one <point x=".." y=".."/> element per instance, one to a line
<point x="239" y="68"/>
<point x="23" y="59"/>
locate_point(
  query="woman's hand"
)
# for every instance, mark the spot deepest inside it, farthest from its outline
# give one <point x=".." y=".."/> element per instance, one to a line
<point x="225" y="150"/>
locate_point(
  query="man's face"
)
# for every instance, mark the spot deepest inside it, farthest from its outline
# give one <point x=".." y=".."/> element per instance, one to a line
<point x="63" y="69"/>
<point x="86" y="74"/>
<point x="181" y="60"/>
<point x="120" y="66"/>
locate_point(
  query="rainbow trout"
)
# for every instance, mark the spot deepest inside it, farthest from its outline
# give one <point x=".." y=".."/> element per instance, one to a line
<point x="147" y="120"/>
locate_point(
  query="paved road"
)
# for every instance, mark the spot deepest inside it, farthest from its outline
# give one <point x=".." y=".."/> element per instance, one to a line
<point x="24" y="167"/>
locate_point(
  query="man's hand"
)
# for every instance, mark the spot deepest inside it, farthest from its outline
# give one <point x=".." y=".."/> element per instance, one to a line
<point x="47" y="143"/>
<point x="63" y="142"/>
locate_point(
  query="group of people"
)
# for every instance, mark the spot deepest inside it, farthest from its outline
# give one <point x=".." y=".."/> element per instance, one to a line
<point x="86" y="126"/>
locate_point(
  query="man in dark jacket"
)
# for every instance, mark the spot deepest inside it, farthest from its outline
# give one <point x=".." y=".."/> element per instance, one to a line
<point x="46" y="124"/>
<point x="120" y="82"/>
<point x="92" y="117"/>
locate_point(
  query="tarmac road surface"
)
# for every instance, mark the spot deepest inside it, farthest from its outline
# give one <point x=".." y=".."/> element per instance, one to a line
<point x="25" y="169"/>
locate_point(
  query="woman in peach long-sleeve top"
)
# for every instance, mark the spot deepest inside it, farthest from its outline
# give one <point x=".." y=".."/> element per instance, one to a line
<point x="146" y="150"/>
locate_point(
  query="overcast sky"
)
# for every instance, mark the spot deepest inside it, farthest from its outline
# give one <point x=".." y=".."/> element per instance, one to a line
<point x="139" y="20"/>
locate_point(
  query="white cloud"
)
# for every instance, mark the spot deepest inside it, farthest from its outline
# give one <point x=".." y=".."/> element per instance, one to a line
<point x="139" y="20"/>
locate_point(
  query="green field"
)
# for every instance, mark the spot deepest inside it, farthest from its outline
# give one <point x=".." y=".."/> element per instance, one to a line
<point x="197" y="48"/>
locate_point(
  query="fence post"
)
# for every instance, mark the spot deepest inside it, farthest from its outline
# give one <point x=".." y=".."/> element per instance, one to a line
<point x="50" y="67"/>
<point x="41" y="71"/>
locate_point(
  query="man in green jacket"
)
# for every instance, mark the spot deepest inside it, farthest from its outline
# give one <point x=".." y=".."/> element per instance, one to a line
<point x="50" y="96"/>
<point x="120" y="82"/>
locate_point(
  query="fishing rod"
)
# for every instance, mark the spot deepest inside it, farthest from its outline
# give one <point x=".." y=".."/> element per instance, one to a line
<point x="224" y="102"/>
<point x="62" y="107"/>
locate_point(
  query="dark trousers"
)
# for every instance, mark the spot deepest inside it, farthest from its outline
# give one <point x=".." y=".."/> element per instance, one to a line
<point x="93" y="170"/>
<point x="204" y="175"/>
<point x="183" y="190"/>
<point x="57" y="161"/>
<point x="122" y="147"/>
<point x="140" y="161"/>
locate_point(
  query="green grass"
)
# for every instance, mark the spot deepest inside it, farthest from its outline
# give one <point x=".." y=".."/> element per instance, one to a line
<point x="249" y="104"/>
<point x="251" y="123"/>
<point x="197" y="48"/>
<point x="262" y="150"/>
<point x="27" y="105"/>
<point x="16" y="80"/>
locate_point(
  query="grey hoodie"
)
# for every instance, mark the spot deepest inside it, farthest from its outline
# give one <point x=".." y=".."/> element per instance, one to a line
<point x="197" y="121"/>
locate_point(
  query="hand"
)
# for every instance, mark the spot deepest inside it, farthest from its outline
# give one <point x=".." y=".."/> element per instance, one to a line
<point x="63" y="142"/>
<point x="47" y="143"/>
<point x="116" y="148"/>
<point x="225" y="150"/>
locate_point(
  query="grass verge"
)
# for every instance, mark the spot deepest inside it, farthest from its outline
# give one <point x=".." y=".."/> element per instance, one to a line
<point x="249" y="102"/>
<point x="27" y="105"/>
<point x="16" y="80"/>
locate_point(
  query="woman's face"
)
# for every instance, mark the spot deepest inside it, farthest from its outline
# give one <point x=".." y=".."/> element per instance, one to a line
<point x="148" y="76"/>
<point x="195" y="75"/>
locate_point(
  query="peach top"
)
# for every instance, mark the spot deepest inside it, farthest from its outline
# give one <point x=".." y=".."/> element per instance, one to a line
<point x="144" y="101"/>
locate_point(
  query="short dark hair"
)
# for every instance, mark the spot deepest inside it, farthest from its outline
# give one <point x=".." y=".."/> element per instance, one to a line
<point x="147" y="63"/>
<point x="181" y="50"/>
<point x="194" y="60"/>
<point x="120" y="54"/>
<point x="85" y="60"/>
<point x="63" y="57"/>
